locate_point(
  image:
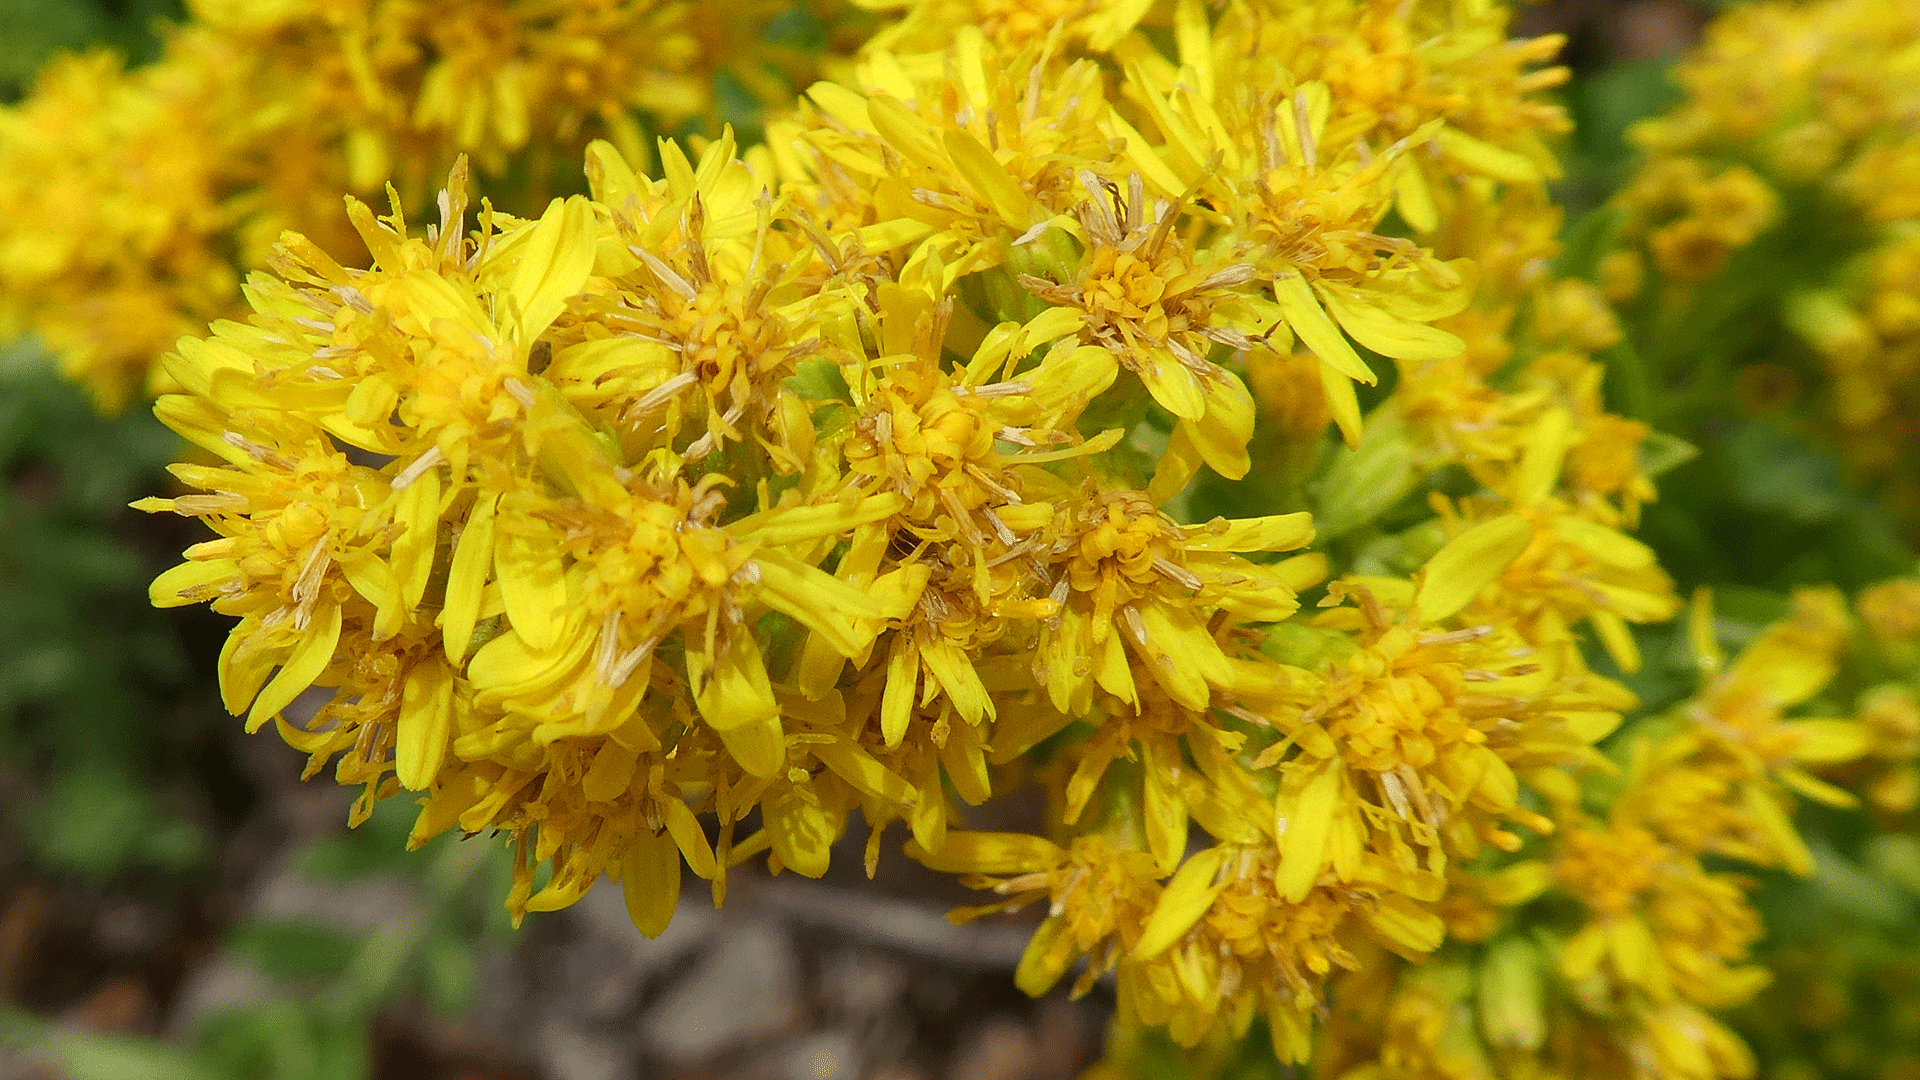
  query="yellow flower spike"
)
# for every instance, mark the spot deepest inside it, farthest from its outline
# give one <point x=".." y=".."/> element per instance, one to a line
<point x="1469" y="563"/>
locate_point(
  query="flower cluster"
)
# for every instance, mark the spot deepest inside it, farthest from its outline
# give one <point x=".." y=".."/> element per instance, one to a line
<point x="132" y="203"/>
<point x="1607" y="946"/>
<point x="1170" y="406"/>
<point x="1783" y="190"/>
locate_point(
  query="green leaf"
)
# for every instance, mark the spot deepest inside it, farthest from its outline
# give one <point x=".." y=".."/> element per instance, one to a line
<point x="452" y="974"/>
<point x="819" y="380"/>
<point x="292" y="949"/>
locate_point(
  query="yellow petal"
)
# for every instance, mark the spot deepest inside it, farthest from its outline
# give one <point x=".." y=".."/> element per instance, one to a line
<point x="467" y="579"/>
<point x="373" y="578"/>
<point x="1316" y="331"/>
<point x="609" y="177"/>
<point x="802" y="833"/>
<point x="1172" y="383"/>
<point x="1308" y="812"/>
<point x="1413" y="198"/>
<point x="1617" y="639"/>
<point x="243" y="668"/>
<point x="1222" y="435"/>
<point x="1277" y="532"/>
<point x="1046" y="959"/>
<point x="1542" y="457"/>
<point x="805" y="524"/>
<point x="191" y="582"/>
<point x="865" y="772"/>
<point x="759" y="748"/>
<point x="994" y="853"/>
<point x="1818" y="790"/>
<point x="842" y="104"/>
<point x="690" y="838"/>
<point x="1486" y="158"/>
<point x="425" y="723"/>
<point x="1342" y="402"/>
<point x="1183" y="902"/>
<point x="1470" y="562"/>
<point x="1179" y="463"/>
<point x="1773" y="823"/>
<point x="1164" y="805"/>
<point x="965" y="761"/>
<point x="555" y="260"/>
<point x="905" y="132"/>
<point x="611" y="773"/>
<point x="1407" y="929"/>
<point x="949" y="665"/>
<point x="1386" y="333"/>
<point x="418" y="511"/>
<point x="1828" y="742"/>
<point x="650" y="882"/>
<point x="844" y="616"/>
<point x="533" y="582"/>
<point x="731" y="689"/>
<point x="897" y="700"/>
<point x="304" y="664"/>
<point x="1182" y="656"/>
<point x="990" y="180"/>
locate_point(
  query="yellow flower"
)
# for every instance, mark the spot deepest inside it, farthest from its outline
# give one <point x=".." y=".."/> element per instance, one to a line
<point x="928" y="25"/>
<point x="113" y="215"/>
<point x="964" y="168"/>
<point x="700" y="321"/>
<point x="594" y="600"/>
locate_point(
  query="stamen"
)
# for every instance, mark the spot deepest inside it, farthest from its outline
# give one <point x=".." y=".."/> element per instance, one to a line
<point x="418" y="468"/>
<point x="1455" y="637"/>
<point x="1178" y="573"/>
<point x="660" y="395"/>
<point x="1304" y="123"/>
<point x="353" y="298"/>
<point x="624" y="668"/>
<point x="668" y="275"/>
<point x="264" y="455"/>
